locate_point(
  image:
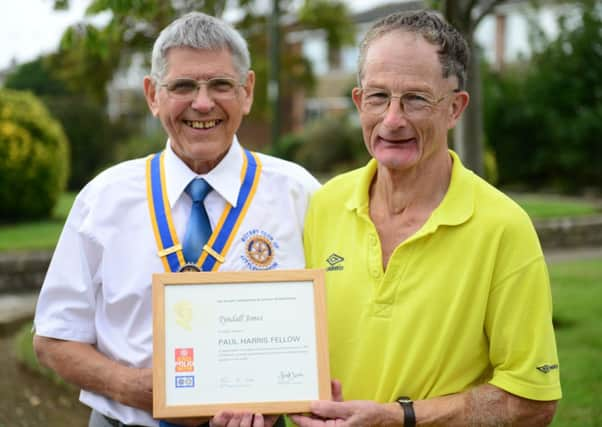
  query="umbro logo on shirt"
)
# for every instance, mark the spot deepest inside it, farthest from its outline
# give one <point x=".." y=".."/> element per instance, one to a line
<point x="334" y="262"/>
<point x="547" y="368"/>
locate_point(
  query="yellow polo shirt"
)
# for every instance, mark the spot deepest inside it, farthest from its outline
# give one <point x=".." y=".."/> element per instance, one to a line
<point x="464" y="301"/>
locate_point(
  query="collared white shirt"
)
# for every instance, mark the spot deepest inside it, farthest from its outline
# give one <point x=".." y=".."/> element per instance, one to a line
<point x="98" y="287"/>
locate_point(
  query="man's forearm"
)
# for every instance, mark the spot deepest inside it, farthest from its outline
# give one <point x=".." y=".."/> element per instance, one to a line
<point x="81" y="364"/>
<point x="484" y="406"/>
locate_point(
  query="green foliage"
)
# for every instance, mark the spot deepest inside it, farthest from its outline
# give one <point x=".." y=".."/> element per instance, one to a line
<point x="491" y="172"/>
<point x="287" y="146"/>
<point x="34" y="160"/>
<point x="36" y="77"/>
<point x="540" y="206"/>
<point x="92" y="137"/>
<point x="38" y="234"/>
<point x="333" y="17"/>
<point x="140" y="145"/>
<point x="90" y="56"/>
<point x="328" y="145"/>
<point x="544" y="122"/>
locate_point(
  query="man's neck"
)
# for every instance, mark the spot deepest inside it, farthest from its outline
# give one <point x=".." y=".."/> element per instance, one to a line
<point x="400" y="203"/>
<point x="417" y="190"/>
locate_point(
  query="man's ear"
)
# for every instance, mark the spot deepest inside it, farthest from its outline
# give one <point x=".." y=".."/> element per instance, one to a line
<point x="356" y="96"/>
<point x="248" y="88"/>
<point x="458" y="105"/>
<point x="150" y="93"/>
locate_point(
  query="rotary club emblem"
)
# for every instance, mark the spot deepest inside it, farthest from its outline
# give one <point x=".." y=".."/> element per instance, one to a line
<point x="260" y="251"/>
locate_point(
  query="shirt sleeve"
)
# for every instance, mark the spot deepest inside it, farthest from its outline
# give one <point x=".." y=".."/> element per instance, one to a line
<point x="66" y="304"/>
<point x="519" y="326"/>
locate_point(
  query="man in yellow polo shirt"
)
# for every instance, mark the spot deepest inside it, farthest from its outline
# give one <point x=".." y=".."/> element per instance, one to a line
<point x="439" y="302"/>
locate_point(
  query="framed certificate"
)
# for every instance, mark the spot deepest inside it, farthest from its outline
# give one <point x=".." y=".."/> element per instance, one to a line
<point x="253" y="341"/>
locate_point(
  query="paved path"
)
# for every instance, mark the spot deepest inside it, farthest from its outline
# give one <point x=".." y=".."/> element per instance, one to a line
<point x="17" y="308"/>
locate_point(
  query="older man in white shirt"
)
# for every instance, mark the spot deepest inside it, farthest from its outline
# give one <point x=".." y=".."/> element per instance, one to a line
<point x="93" y="321"/>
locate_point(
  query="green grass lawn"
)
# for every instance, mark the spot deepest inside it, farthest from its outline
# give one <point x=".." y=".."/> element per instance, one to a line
<point x="542" y="207"/>
<point x="36" y="234"/>
<point x="577" y="291"/>
<point x="44" y="234"/>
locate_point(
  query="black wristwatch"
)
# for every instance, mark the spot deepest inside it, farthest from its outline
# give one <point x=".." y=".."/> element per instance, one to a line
<point x="409" y="417"/>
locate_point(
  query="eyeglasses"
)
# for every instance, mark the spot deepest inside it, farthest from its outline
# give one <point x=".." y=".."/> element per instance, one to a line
<point x="218" y="88"/>
<point x="414" y="105"/>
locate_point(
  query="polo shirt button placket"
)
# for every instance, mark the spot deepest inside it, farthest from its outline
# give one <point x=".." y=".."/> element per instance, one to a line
<point x="373" y="256"/>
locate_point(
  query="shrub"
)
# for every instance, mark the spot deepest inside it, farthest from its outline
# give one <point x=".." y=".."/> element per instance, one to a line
<point x="287" y="146"/>
<point x="93" y="137"/>
<point x="329" y="145"/>
<point x="33" y="157"/>
<point x="141" y="144"/>
<point x="90" y="134"/>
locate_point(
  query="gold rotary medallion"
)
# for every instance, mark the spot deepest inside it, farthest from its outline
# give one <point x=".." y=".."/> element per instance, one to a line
<point x="189" y="268"/>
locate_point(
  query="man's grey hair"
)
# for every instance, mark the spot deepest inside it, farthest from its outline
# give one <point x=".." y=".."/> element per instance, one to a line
<point x="453" y="49"/>
<point x="200" y="31"/>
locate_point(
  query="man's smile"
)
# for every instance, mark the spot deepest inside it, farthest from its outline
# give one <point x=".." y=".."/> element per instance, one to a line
<point x="198" y="124"/>
<point x="397" y="141"/>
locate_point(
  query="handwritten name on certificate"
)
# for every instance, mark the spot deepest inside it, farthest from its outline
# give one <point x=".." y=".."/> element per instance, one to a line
<point x="239" y="343"/>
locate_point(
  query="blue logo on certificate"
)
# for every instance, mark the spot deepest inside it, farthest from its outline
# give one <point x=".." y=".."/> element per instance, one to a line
<point x="184" y="381"/>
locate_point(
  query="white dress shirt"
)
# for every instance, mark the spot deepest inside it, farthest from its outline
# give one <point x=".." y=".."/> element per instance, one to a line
<point x="98" y="286"/>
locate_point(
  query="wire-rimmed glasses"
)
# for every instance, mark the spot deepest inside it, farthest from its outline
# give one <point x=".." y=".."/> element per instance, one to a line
<point x="414" y="105"/>
<point x="218" y="88"/>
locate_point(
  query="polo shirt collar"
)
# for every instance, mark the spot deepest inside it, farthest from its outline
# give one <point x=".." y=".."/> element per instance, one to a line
<point x="223" y="178"/>
<point x="360" y="197"/>
<point x="458" y="204"/>
<point x="456" y="207"/>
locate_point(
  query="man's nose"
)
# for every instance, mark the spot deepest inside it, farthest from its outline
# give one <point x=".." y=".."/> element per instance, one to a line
<point x="394" y="115"/>
<point x="203" y="100"/>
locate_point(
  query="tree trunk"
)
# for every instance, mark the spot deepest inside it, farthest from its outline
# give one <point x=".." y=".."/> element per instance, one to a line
<point x="468" y="135"/>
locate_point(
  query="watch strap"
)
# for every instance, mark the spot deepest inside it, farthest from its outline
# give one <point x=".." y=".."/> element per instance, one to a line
<point x="407" y="405"/>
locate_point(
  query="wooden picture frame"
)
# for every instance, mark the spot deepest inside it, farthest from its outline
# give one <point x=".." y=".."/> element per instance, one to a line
<point x="253" y="341"/>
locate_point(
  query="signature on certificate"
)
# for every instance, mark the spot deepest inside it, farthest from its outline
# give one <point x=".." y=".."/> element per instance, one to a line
<point x="288" y="377"/>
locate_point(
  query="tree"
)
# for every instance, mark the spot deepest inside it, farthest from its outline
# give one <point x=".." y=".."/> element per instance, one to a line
<point x="466" y="15"/>
<point x="36" y="77"/>
<point x="85" y="121"/>
<point x="550" y="115"/>
<point x="99" y="52"/>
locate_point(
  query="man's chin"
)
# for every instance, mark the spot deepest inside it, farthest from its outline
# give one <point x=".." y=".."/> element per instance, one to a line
<point x="397" y="162"/>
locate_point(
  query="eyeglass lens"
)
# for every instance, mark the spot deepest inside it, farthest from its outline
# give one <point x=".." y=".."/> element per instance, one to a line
<point x="217" y="88"/>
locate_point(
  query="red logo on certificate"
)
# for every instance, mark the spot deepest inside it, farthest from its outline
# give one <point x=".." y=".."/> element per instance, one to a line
<point x="184" y="360"/>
